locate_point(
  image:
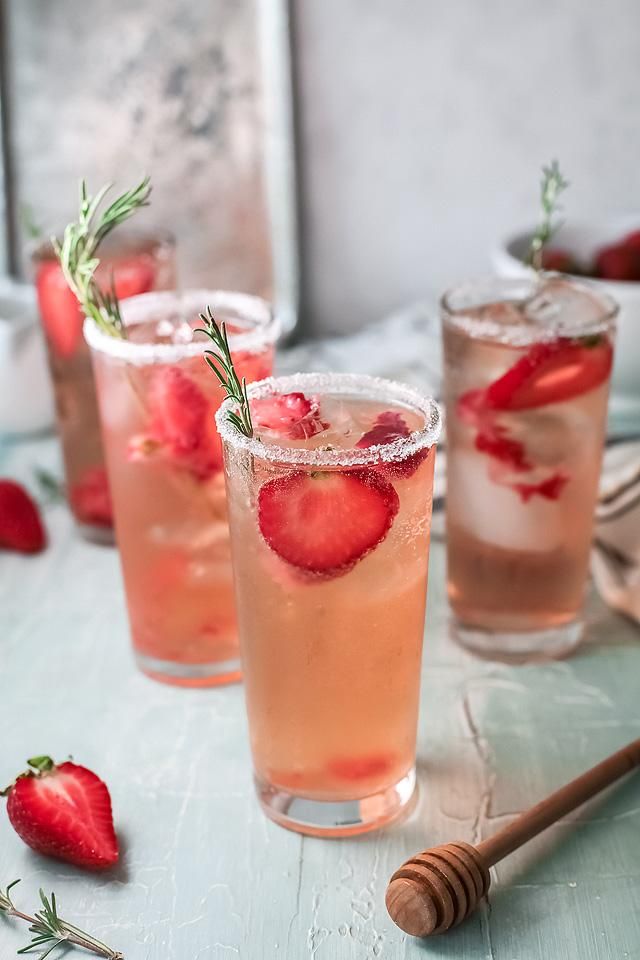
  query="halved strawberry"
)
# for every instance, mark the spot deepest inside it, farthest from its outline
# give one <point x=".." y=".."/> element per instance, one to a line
<point x="182" y="421"/>
<point x="550" y="489"/>
<point x="64" y="812"/>
<point x="20" y="524"/>
<point x="552" y="373"/>
<point x="632" y="240"/>
<point x="388" y="427"/>
<point x="561" y="261"/>
<point x="325" y="522"/>
<point x="293" y="415"/>
<point x="361" y="768"/>
<point x="61" y="315"/>
<point x="618" y="262"/>
<point x="90" y="499"/>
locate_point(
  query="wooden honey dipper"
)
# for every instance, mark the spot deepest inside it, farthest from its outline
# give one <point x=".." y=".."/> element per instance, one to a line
<point x="438" y="888"/>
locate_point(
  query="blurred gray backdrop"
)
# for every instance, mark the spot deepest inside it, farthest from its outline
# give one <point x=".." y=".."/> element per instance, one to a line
<point x="113" y="89"/>
<point x="421" y="127"/>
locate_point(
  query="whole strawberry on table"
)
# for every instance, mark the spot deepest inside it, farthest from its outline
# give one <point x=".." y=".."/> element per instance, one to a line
<point x="64" y="811"/>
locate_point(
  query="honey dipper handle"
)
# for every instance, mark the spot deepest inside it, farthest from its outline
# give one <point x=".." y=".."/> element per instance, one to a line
<point x="567" y="798"/>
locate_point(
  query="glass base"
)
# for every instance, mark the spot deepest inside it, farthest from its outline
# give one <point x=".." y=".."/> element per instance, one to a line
<point x="104" y="536"/>
<point x="530" y="646"/>
<point x="344" y="818"/>
<point x="189" y="674"/>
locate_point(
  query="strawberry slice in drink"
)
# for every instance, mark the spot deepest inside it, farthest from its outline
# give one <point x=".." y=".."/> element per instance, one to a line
<point x="292" y="415"/>
<point x="325" y="522"/>
<point x="491" y="438"/>
<point x="550" y="489"/>
<point x="361" y="767"/>
<point x="390" y="426"/>
<point x="64" y="811"/>
<point x="552" y="373"/>
<point x="90" y="498"/>
<point x="183" y="431"/>
<point x="61" y="315"/>
<point x="495" y="441"/>
<point x="548" y="373"/>
<point x="132" y="275"/>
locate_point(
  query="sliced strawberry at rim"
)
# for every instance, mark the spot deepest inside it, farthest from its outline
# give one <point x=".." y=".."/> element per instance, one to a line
<point x="552" y="372"/>
<point x="550" y="489"/>
<point x="390" y="426"/>
<point x="293" y="415"/>
<point x="325" y="522"/>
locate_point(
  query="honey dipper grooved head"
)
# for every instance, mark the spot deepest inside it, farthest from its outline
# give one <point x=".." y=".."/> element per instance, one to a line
<point x="437" y="889"/>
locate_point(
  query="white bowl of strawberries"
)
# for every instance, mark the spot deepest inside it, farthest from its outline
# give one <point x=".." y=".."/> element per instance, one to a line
<point x="607" y="254"/>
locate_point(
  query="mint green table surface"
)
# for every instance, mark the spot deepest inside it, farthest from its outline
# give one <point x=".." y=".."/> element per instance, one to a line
<point x="206" y="877"/>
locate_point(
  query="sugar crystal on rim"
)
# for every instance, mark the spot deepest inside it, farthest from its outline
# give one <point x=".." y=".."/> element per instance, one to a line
<point x="343" y="385"/>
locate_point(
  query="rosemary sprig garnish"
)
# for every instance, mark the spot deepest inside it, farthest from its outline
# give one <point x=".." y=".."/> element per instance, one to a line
<point x="80" y="242"/>
<point x="551" y="186"/>
<point x="50" y="930"/>
<point x="221" y="363"/>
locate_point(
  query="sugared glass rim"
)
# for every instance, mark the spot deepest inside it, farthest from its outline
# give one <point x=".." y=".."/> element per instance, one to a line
<point x="155" y="305"/>
<point x="344" y="385"/>
<point x="494" y="289"/>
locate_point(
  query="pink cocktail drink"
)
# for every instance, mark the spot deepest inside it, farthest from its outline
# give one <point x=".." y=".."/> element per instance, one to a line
<point x="330" y="508"/>
<point x="157" y="403"/>
<point x="138" y="263"/>
<point x="527" y="367"/>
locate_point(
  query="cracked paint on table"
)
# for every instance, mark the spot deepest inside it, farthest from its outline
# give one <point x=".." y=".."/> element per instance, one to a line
<point x="205" y="876"/>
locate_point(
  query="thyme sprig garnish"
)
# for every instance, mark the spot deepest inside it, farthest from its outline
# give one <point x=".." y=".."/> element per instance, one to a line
<point x="221" y="363"/>
<point x="551" y="186"/>
<point x="78" y="251"/>
<point x="50" y="930"/>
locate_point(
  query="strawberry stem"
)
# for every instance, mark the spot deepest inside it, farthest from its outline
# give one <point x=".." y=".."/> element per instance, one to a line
<point x="552" y="185"/>
<point x="41" y="764"/>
